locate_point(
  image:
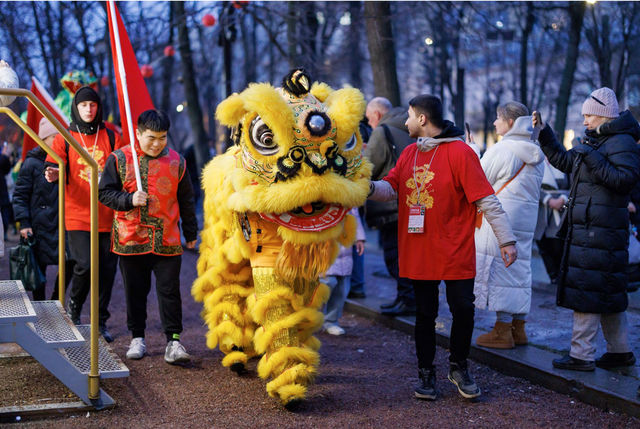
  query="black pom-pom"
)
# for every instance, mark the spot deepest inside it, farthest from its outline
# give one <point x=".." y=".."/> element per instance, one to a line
<point x="297" y="82"/>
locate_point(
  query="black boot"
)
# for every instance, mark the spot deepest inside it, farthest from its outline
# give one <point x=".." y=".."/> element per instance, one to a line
<point x="401" y="309"/>
<point x="568" y="362"/>
<point x="390" y="304"/>
<point x="73" y="309"/>
<point x="426" y="389"/>
<point x="614" y="360"/>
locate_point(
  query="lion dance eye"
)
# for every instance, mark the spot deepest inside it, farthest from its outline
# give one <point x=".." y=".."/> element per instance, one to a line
<point x="262" y="137"/>
<point x="351" y="144"/>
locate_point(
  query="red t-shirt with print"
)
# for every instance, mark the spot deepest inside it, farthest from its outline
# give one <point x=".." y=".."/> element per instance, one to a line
<point x="77" y="207"/>
<point x="455" y="179"/>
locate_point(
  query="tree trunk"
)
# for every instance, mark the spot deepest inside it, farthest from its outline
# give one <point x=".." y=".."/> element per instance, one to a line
<point x="355" y="56"/>
<point x="381" y="50"/>
<point x="190" y="88"/>
<point x="292" y="34"/>
<point x="576" y="15"/>
<point x="524" y="53"/>
<point x="167" y="64"/>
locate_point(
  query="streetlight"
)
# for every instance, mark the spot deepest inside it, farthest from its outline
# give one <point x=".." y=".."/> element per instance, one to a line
<point x="428" y="41"/>
<point x="592" y="2"/>
<point x="499" y="24"/>
<point x="345" y="19"/>
<point x="179" y="107"/>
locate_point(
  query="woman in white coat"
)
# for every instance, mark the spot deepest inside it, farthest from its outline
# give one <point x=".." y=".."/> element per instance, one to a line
<point x="514" y="167"/>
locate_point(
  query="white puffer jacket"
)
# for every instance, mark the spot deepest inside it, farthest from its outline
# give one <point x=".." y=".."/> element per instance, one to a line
<point x="496" y="287"/>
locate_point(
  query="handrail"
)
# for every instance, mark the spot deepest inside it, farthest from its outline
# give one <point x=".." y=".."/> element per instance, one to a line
<point x="94" y="373"/>
<point x="61" y="168"/>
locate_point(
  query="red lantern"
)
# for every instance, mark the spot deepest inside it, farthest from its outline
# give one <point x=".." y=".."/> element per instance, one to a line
<point x="146" y="71"/>
<point x="208" y="20"/>
<point x="104" y="81"/>
<point x="239" y="4"/>
<point x="169" y="51"/>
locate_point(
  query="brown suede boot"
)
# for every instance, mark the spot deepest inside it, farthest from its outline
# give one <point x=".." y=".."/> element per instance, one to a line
<point x="519" y="335"/>
<point x="500" y="337"/>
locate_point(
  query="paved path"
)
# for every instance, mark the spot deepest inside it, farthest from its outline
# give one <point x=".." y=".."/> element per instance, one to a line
<point x="548" y="328"/>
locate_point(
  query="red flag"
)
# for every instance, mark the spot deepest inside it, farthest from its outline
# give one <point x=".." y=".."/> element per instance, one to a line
<point x="139" y="98"/>
<point x="34" y="115"/>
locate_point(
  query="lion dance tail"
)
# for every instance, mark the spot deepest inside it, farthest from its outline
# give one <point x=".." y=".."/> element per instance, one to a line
<point x="288" y="313"/>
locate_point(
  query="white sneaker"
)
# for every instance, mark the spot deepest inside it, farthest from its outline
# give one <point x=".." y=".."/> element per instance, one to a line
<point x="137" y="348"/>
<point x="175" y="353"/>
<point x="333" y="329"/>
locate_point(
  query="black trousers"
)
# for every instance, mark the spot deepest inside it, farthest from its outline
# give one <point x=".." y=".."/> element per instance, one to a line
<point x="389" y="242"/>
<point x="80" y="249"/>
<point x="550" y="249"/>
<point x="40" y="294"/>
<point x="460" y="298"/>
<point x="136" y="272"/>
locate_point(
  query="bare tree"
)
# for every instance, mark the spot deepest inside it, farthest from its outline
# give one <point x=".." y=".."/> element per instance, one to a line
<point x="576" y="12"/>
<point x="190" y="87"/>
<point x="382" y="51"/>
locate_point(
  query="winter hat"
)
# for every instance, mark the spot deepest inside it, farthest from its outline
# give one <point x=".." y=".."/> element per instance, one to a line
<point x="601" y="102"/>
<point x="86" y="93"/>
<point x="46" y="129"/>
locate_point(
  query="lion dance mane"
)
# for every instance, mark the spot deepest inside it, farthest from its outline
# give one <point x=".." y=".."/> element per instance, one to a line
<point x="275" y="210"/>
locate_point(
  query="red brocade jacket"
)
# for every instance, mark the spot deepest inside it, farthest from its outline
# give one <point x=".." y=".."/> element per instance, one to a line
<point x="154" y="227"/>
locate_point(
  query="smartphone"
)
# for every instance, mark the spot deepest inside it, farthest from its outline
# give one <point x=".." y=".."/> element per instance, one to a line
<point x="468" y="129"/>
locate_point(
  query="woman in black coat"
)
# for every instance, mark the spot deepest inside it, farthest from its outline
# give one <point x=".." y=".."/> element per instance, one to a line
<point x="604" y="169"/>
<point x="35" y="205"/>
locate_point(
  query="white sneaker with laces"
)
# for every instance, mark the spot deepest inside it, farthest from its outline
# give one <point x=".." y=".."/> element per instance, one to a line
<point x="137" y="348"/>
<point x="175" y="353"/>
<point x="333" y="329"/>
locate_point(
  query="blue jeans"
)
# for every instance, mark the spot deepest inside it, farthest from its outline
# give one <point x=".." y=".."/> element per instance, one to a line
<point x="357" y="275"/>
<point x="339" y="286"/>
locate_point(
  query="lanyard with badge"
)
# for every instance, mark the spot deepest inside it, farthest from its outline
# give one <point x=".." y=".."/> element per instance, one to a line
<point x="95" y="142"/>
<point x="417" y="211"/>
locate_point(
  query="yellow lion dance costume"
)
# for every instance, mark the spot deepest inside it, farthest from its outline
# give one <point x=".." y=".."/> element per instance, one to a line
<point x="275" y="210"/>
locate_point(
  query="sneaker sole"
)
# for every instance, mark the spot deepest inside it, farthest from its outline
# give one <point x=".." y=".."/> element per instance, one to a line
<point x="177" y="361"/>
<point x="464" y="394"/>
<point x="427" y="397"/>
<point x="134" y="357"/>
<point x="615" y="365"/>
<point x="573" y="368"/>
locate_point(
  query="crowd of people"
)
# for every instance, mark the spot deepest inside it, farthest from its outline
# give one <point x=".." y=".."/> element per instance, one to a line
<point x="443" y="212"/>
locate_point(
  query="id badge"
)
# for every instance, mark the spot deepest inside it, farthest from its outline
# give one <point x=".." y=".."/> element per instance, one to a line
<point x="416" y="219"/>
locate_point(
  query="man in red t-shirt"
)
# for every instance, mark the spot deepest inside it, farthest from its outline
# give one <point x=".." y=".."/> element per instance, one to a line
<point x="89" y="130"/>
<point x="440" y="184"/>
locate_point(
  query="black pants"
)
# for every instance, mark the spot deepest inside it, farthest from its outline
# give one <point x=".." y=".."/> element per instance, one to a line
<point x="550" y="249"/>
<point x="460" y="298"/>
<point x="389" y="242"/>
<point x="80" y="249"/>
<point x="136" y="272"/>
<point x="40" y="294"/>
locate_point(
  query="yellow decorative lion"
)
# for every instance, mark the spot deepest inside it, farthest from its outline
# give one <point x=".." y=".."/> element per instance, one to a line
<point x="275" y="210"/>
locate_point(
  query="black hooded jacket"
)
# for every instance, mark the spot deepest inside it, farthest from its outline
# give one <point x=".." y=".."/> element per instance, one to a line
<point x="603" y="173"/>
<point x="35" y="204"/>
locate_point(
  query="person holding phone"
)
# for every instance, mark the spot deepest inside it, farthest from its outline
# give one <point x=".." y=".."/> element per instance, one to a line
<point x="604" y="169"/>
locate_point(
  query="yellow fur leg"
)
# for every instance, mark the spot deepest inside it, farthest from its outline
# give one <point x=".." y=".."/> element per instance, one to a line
<point x="234" y="357"/>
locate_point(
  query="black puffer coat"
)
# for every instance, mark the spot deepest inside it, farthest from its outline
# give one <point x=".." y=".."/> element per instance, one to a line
<point x="603" y="173"/>
<point x="35" y="204"/>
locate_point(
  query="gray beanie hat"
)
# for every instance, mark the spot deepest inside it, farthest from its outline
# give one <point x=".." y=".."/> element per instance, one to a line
<point x="601" y="102"/>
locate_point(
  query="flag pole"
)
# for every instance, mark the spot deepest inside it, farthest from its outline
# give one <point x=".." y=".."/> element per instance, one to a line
<point x="125" y="92"/>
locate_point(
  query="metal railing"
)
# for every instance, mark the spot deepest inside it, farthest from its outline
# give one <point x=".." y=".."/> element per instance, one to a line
<point x="94" y="373"/>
